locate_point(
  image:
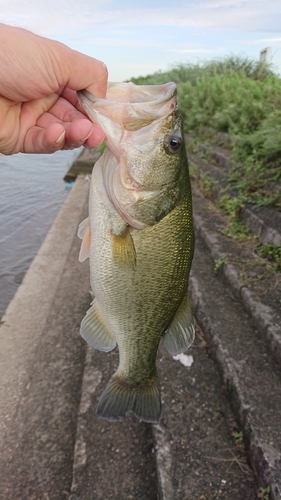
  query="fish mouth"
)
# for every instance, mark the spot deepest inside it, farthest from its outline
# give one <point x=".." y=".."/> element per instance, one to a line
<point x="135" y="94"/>
<point x="134" y="120"/>
<point x="133" y="106"/>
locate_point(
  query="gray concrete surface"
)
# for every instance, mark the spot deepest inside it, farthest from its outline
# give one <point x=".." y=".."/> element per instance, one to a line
<point x="260" y="302"/>
<point x="112" y="460"/>
<point x="41" y="363"/>
<point x="251" y="379"/>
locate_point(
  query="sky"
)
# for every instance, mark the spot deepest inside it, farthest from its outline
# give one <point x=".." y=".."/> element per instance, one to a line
<point x="139" y="38"/>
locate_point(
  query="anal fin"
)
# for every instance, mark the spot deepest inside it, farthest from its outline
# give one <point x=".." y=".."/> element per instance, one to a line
<point x="94" y="331"/>
<point x="181" y="331"/>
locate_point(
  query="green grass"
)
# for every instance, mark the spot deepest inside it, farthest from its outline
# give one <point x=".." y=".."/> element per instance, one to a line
<point x="242" y="99"/>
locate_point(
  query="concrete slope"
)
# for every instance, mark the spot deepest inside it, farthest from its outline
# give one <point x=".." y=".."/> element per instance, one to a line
<point x="251" y="377"/>
<point x="112" y="460"/>
<point x="41" y="363"/>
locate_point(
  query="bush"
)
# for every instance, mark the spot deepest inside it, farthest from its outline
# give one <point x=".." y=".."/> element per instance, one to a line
<point x="239" y="97"/>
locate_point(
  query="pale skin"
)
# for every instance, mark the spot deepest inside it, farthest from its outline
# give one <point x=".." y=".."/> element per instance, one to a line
<point x="39" y="108"/>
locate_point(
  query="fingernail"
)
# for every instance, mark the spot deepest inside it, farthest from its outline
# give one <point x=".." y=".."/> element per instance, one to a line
<point x="87" y="136"/>
<point x="61" y="137"/>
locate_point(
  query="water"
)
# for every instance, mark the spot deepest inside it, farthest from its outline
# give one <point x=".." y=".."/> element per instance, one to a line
<point x="32" y="192"/>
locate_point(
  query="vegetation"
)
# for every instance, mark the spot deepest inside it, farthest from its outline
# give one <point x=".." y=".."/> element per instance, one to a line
<point x="263" y="493"/>
<point x="236" y="102"/>
<point x="271" y="252"/>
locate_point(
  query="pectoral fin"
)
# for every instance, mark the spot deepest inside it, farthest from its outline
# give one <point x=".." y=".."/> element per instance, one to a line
<point x="84" y="233"/>
<point x="180" y="333"/>
<point x="94" y="331"/>
<point x="123" y="248"/>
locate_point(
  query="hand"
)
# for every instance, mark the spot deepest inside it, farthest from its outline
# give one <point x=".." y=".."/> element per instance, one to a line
<point x="39" y="108"/>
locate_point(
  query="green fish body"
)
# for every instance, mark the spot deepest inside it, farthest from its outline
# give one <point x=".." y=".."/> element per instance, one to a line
<point x="139" y="238"/>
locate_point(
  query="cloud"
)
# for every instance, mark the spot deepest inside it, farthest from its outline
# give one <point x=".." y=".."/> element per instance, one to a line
<point x="134" y="43"/>
<point x="268" y="40"/>
<point x="50" y="16"/>
<point x="151" y="31"/>
<point x="191" y="51"/>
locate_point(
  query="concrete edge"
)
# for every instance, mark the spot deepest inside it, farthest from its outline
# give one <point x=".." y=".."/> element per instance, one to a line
<point x="83" y="164"/>
<point x="163" y="462"/>
<point x="222" y="158"/>
<point x="26" y="315"/>
<point x="266" y="234"/>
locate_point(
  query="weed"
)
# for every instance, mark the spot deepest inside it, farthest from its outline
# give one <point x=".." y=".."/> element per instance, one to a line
<point x="239" y="98"/>
<point x="203" y="155"/>
<point x="207" y="185"/>
<point x="238" y="437"/>
<point x="193" y="146"/>
<point x="271" y="252"/>
<point x="232" y="205"/>
<point x="218" y="264"/>
<point x="193" y="169"/>
<point x="246" y="280"/>
<point x="263" y="493"/>
<point x="237" y="230"/>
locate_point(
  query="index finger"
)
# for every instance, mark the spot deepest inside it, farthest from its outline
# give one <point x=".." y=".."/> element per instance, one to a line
<point x="85" y="72"/>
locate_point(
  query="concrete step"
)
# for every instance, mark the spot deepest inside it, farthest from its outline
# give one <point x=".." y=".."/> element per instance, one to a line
<point x="251" y="377"/>
<point x="258" y="291"/>
<point x="196" y="453"/>
<point x="242" y="336"/>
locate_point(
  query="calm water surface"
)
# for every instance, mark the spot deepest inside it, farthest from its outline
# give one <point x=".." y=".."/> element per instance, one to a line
<point x="32" y="192"/>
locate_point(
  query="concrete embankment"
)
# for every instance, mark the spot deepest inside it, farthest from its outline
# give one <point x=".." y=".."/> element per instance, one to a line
<point x="41" y="363"/>
<point x="219" y="436"/>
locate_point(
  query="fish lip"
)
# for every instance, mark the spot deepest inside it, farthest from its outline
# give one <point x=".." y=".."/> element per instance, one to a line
<point x="154" y="105"/>
<point x="83" y="99"/>
<point x="84" y="95"/>
<point x="167" y="96"/>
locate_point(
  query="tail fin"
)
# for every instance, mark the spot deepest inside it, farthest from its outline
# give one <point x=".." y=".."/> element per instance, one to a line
<point x="119" y="398"/>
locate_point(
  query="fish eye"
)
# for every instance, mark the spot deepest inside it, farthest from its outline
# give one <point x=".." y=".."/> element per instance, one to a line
<point x="172" y="143"/>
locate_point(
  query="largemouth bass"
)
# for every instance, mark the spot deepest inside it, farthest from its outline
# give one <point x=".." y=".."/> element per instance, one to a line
<point x="139" y="238"/>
